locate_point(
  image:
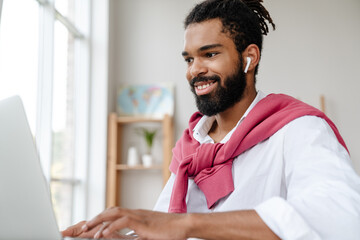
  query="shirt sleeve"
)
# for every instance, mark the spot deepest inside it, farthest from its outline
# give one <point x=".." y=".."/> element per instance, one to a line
<point x="162" y="204"/>
<point x="323" y="190"/>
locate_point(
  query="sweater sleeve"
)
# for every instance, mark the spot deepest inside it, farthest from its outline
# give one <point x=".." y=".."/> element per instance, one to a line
<point x="323" y="190"/>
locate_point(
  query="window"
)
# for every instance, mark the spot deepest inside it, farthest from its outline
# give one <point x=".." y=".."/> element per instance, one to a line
<point x="18" y="53"/>
<point x="0" y="8"/>
<point x="44" y="59"/>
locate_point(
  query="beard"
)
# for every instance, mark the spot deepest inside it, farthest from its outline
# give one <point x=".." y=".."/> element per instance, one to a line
<point x="223" y="97"/>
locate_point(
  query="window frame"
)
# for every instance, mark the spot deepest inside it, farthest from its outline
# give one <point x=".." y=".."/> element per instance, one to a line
<point x="1" y="2"/>
<point x="44" y="133"/>
<point x="99" y="109"/>
<point x="91" y="66"/>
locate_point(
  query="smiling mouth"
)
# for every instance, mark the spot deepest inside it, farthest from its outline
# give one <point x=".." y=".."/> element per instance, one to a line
<point x="203" y="85"/>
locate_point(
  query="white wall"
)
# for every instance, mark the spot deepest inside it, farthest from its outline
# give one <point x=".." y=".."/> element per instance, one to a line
<point x="314" y="50"/>
<point x="147" y="42"/>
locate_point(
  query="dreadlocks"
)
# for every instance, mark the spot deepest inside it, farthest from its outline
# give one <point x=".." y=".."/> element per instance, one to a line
<point x="262" y="14"/>
<point x="243" y="20"/>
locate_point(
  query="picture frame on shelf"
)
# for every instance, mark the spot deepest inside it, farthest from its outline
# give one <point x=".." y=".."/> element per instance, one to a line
<point x="146" y="100"/>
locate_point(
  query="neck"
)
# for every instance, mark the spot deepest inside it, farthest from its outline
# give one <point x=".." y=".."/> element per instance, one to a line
<point x="227" y="120"/>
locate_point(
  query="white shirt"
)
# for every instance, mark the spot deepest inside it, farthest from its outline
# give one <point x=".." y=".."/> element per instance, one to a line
<point x="300" y="181"/>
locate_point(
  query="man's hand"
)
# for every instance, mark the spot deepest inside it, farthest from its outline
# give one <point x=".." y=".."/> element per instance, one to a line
<point x="77" y="231"/>
<point x="146" y="224"/>
<point x="242" y="224"/>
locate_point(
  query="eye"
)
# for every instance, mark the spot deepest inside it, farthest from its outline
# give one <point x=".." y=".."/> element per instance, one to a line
<point x="189" y="60"/>
<point x="211" y="54"/>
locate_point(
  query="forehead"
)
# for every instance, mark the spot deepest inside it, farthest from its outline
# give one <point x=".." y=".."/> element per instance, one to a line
<point x="206" y="33"/>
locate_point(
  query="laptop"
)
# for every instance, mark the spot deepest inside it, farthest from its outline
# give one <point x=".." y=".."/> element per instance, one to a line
<point x="26" y="210"/>
<point x="25" y="206"/>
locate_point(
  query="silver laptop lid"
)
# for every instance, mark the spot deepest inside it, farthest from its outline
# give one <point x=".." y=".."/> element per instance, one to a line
<point x="25" y="206"/>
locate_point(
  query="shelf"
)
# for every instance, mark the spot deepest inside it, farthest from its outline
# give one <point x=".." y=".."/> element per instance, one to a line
<point x="137" y="167"/>
<point x="116" y="165"/>
<point x="125" y="119"/>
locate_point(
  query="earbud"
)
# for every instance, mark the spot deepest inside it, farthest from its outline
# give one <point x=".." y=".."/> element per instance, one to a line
<point x="248" y="61"/>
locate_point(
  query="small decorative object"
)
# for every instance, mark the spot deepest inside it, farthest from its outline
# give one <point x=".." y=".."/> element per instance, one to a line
<point x="150" y="100"/>
<point x="146" y="160"/>
<point x="149" y="136"/>
<point x="133" y="158"/>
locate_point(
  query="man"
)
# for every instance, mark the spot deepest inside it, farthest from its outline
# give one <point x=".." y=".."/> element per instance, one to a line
<point x="250" y="166"/>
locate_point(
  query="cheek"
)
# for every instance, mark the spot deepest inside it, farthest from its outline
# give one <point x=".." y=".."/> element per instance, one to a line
<point x="188" y="75"/>
<point x="219" y="68"/>
<point x="226" y="70"/>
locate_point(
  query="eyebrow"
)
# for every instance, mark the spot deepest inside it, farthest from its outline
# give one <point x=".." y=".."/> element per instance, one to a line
<point x="203" y="48"/>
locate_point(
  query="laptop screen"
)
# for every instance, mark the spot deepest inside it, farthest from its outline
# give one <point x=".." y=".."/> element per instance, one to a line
<point x="25" y="205"/>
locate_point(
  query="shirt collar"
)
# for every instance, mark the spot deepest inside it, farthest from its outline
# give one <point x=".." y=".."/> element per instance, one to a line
<point x="202" y="128"/>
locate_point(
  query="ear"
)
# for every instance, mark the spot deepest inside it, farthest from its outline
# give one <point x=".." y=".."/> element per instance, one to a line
<point x="252" y="51"/>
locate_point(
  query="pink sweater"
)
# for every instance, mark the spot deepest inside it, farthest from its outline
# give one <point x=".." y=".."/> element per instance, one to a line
<point x="210" y="164"/>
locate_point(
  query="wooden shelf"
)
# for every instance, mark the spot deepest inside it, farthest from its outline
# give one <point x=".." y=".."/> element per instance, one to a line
<point x="137" y="167"/>
<point x="125" y="119"/>
<point x="115" y="165"/>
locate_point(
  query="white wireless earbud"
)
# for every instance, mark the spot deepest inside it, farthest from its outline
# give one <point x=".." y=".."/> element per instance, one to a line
<point x="248" y="61"/>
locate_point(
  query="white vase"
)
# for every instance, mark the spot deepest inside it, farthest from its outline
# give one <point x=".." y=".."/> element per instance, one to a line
<point x="147" y="160"/>
<point x="133" y="158"/>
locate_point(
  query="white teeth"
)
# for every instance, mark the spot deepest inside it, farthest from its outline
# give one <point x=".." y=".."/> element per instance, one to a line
<point x="204" y="86"/>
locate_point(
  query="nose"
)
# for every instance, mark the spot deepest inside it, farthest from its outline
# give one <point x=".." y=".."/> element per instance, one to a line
<point x="197" y="68"/>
